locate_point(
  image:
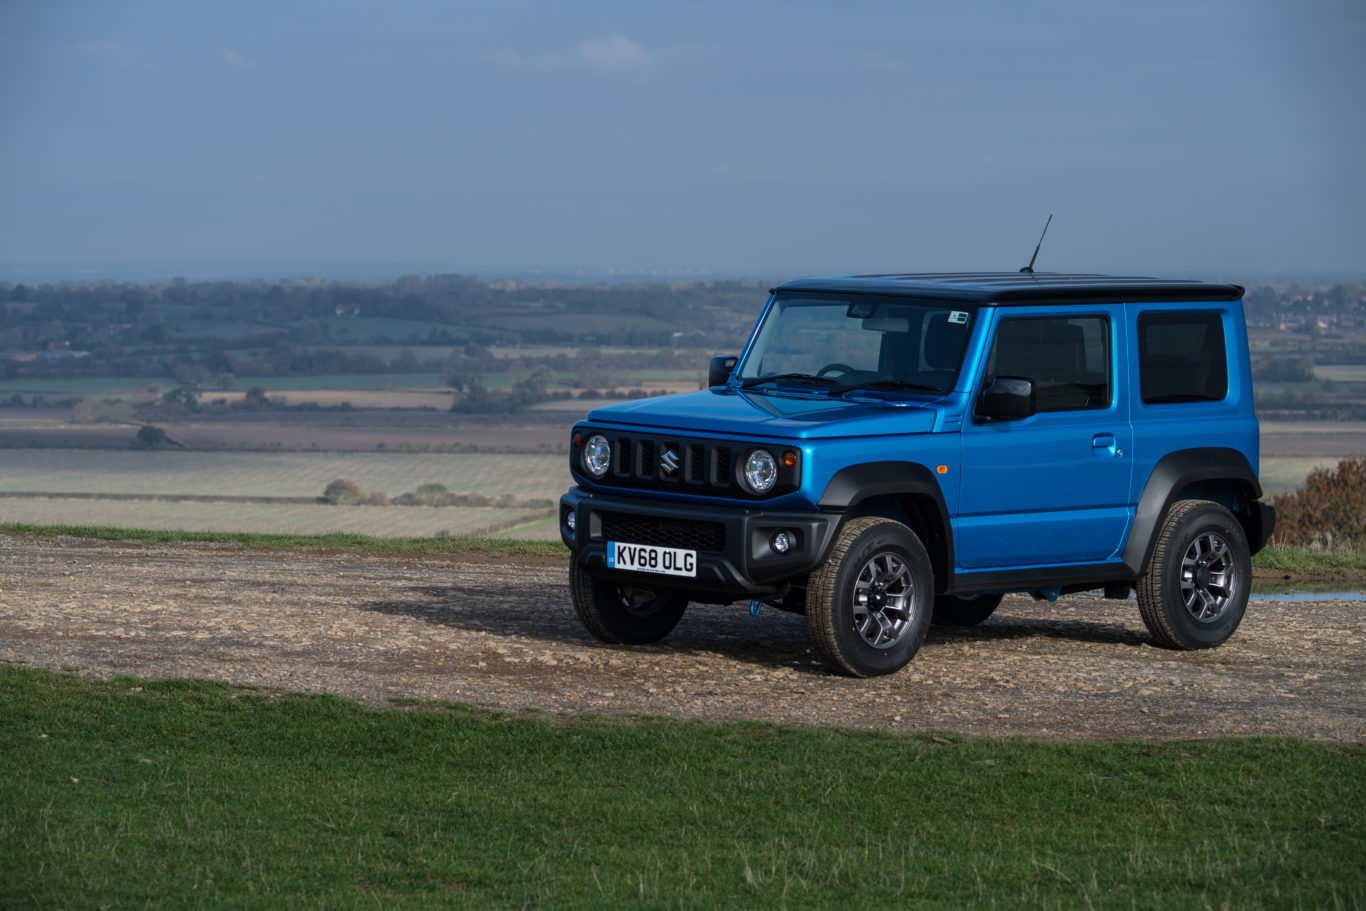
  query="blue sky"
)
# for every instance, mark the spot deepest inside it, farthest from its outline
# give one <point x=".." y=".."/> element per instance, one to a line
<point x="1208" y="136"/>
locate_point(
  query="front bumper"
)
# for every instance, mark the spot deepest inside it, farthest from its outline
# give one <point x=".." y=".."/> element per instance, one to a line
<point x="735" y="556"/>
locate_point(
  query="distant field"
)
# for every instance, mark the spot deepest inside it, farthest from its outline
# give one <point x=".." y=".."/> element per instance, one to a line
<point x="71" y="386"/>
<point x="1287" y="474"/>
<point x="275" y="474"/>
<point x="144" y="386"/>
<point x="345" y="328"/>
<point x="381" y="521"/>
<point x="1341" y="373"/>
<point x="439" y="399"/>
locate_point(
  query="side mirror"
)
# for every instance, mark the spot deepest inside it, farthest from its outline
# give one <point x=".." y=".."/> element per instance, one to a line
<point x="720" y="369"/>
<point x="1007" y="398"/>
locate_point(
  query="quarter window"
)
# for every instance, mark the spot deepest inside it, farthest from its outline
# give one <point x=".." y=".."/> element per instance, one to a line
<point x="1067" y="358"/>
<point x="1181" y="358"/>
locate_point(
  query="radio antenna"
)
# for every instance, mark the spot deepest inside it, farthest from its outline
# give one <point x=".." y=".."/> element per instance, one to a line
<point x="1030" y="268"/>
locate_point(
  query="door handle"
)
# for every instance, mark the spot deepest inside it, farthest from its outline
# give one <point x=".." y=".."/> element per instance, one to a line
<point x="1103" y="444"/>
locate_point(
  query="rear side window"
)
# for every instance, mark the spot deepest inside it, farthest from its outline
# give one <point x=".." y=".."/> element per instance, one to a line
<point x="1181" y="358"/>
<point x="1068" y="358"/>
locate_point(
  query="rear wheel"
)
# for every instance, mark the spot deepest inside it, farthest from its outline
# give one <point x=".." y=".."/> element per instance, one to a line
<point x="623" y="613"/>
<point x="964" y="610"/>
<point x="868" y="606"/>
<point x="1194" y="591"/>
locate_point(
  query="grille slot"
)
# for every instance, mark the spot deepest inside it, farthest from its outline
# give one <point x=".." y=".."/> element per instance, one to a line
<point x="688" y="534"/>
<point x="697" y="463"/>
<point x="646" y="468"/>
<point x="720" y="468"/>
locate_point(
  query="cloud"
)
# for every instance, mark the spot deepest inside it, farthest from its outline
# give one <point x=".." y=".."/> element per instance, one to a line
<point x="613" y="52"/>
<point x="233" y="57"/>
<point x="610" y="53"/>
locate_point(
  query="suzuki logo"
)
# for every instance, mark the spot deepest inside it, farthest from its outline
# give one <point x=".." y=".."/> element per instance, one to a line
<point x="669" y="460"/>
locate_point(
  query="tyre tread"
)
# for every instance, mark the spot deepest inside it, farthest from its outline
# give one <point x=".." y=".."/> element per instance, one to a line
<point x="822" y="595"/>
<point x="1150" y="585"/>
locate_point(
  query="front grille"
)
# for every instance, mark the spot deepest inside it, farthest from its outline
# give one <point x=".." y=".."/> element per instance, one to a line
<point x="676" y="464"/>
<point x="662" y="463"/>
<point x="687" y="534"/>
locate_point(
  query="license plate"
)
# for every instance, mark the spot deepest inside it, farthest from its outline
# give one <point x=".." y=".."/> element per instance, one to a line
<point x="644" y="558"/>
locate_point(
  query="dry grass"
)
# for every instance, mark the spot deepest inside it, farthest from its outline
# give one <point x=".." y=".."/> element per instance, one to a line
<point x="380" y="521"/>
<point x="287" y="474"/>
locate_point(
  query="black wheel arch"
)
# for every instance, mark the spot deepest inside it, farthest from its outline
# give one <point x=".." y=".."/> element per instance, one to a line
<point x="905" y="491"/>
<point x="1214" y="473"/>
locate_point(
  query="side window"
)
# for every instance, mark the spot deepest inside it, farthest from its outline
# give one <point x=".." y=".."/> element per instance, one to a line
<point x="1181" y="358"/>
<point x="1068" y="358"/>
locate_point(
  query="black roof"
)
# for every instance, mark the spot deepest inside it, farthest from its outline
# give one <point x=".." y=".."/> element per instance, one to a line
<point x="1021" y="287"/>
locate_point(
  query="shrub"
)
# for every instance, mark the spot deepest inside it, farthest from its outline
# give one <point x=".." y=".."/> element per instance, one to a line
<point x="430" y="494"/>
<point x="1329" y="513"/>
<point x="342" y="492"/>
<point x="150" y="436"/>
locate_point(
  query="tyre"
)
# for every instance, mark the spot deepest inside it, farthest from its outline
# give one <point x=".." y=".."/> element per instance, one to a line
<point x="868" y="606"/>
<point x="623" y="614"/>
<point x="965" y="610"/>
<point x="1194" y="590"/>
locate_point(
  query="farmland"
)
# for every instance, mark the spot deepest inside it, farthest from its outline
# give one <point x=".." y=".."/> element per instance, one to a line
<point x="264" y="474"/>
<point x="272" y="518"/>
<point x="521" y="487"/>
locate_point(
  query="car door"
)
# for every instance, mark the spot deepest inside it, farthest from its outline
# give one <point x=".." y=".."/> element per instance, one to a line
<point x="1051" y="488"/>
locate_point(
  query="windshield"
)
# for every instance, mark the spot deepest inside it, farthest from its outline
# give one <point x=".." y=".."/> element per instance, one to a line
<point x="840" y="342"/>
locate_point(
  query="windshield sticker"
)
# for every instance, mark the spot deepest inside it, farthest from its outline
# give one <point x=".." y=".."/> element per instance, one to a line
<point x="862" y="309"/>
<point x="959" y="316"/>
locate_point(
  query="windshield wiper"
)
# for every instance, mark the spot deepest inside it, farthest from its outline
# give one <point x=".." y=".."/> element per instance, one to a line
<point x="790" y="377"/>
<point x="884" y="382"/>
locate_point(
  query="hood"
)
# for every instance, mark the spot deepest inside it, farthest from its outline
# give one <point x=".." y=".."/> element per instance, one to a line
<point x="789" y="416"/>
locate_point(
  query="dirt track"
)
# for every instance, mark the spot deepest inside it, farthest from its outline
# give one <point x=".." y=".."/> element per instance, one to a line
<point x="400" y="626"/>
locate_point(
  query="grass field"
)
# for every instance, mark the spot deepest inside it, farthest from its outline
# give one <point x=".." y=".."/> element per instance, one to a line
<point x="272" y="518"/>
<point x="1287" y="474"/>
<point x="175" y="794"/>
<point x="1341" y="373"/>
<point x="287" y="474"/>
<point x="435" y="399"/>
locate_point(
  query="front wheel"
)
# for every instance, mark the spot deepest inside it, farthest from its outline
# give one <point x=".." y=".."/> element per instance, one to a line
<point x="1194" y="590"/>
<point x="623" y="614"/>
<point x="868" y="606"/>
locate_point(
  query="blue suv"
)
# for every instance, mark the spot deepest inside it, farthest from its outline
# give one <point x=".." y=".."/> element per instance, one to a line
<point x="891" y="449"/>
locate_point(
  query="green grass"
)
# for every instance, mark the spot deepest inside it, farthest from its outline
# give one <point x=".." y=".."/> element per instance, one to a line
<point x="93" y="386"/>
<point x="1308" y="562"/>
<point x="176" y="794"/>
<point x="336" y="541"/>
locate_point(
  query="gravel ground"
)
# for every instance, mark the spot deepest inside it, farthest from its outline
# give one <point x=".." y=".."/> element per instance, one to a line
<point x="503" y="634"/>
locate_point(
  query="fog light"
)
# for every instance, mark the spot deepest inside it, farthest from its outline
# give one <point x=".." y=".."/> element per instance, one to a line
<point x="782" y="542"/>
<point x="571" y="521"/>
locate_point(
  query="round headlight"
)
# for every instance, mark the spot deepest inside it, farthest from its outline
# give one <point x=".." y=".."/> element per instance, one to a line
<point x="761" y="470"/>
<point x="597" y="455"/>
